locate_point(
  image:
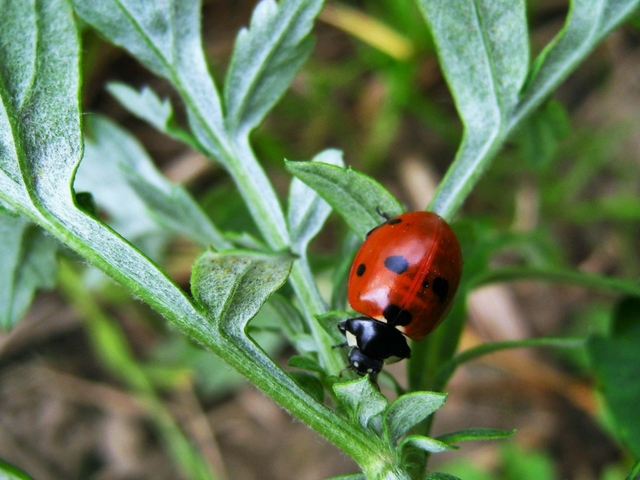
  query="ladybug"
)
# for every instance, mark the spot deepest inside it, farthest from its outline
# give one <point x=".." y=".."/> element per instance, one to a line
<point x="403" y="280"/>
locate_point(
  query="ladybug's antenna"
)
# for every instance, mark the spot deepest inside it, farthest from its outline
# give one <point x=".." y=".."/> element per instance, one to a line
<point x="384" y="215"/>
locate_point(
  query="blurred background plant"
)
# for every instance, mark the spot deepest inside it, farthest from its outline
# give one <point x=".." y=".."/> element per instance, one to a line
<point x="96" y="385"/>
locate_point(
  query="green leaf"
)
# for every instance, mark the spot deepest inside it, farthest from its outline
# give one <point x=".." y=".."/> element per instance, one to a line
<point x="615" y="360"/>
<point x="539" y="134"/>
<point x="102" y="177"/>
<point x="292" y="321"/>
<point x="124" y="181"/>
<point x="165" y="37"/>
<point x="232" y="286"/>
<point x="484" y="54"/>
<point x="441" y="476"/>
<point x="473" y="353"/>
<point x="635" y="470"/>
<point x="265" y="59"/>
<point x="340" y="277"/>
<point x="307" y="210"/>
<point x="146" y="105"/>
<point x="483" y="51"/>
<point x="41" y="146"/>
<point x="427" y="444"/>
<point x="305" y="363"/>
<point x="28" y="264"/>
<point x="556" y="274"/>
<point x="589" y="21"/>
<point x="355" y="196"/>
<point x="329" y="322"/>
<point x="310" y="383"/>
<point x="361" y="399"/>
<point x="474" y="434"/>
<point x="409" y="410"/>
<point x="9" y="472"/>
<point x="617" y="208"/>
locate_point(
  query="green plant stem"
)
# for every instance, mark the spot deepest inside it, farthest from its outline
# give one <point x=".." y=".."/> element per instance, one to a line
<point x="372" y="455"/>
<point x="449" y="368"/>
<point x="266" y="206"/>
<point x="111" y="346"/>
<point x="307" y="291"/>
<point x="633" y="474"/>
<point x="258" y="193"/>
<point x="558" y="275"/>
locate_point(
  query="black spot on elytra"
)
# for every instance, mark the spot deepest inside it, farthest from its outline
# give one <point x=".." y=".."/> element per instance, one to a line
<point x="360" y="269"/>
<point x="396" y="263"/>
<point x="396" y="316"/>
<point x="441" y="288"/>
<point x="425" y="283"/>
<point x="394" y="221"/>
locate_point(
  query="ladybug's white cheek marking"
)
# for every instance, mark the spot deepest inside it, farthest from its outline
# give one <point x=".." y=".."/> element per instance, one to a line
<point x="402" y="329"/>
<point x="352" y="341"/>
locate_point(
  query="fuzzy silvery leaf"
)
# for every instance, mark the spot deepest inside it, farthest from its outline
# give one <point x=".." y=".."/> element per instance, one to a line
<point x="408" y="410"/>
<point x="265" y="59"/>
<point x="307" y="210"/>
<point x="358" y="198"/>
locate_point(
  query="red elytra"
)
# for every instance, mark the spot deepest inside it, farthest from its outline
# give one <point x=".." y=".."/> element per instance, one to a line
<point x="406" y="273"/>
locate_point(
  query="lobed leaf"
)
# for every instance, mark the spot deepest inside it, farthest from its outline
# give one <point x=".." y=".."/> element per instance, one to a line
<point x="361" y="399"/>
<point x="408" y="410"/>
<point x="124" y="180"/>
<point x="355" y="196"/>
<point x="144" y="104"/>
<point x="41" y="147"/>
<point x="147" y="106"/>
<point x="231" y="287"/>
<point x="484" y="54"/>
<point x="588" y="22"/>
<point x="265" y="59"/>
<point x="165" y="37"/>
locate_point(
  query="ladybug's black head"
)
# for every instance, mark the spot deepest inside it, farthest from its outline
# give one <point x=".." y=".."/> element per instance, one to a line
<point x="362" y="364"/>
<point x="373" y="342"/>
